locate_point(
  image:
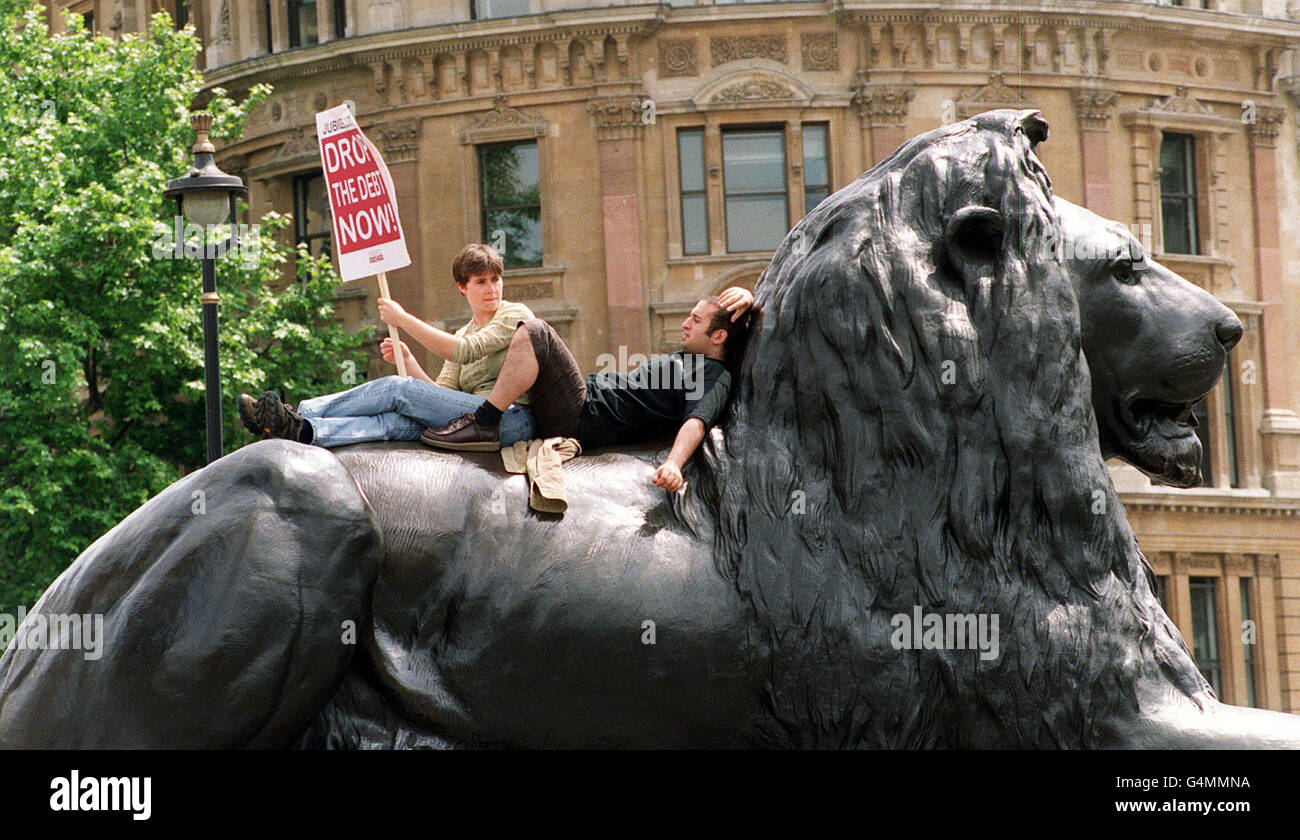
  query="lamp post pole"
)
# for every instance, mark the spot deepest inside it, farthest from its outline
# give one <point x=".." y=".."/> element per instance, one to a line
<point x="211" y="354"/>
<point x="206" y="196"/>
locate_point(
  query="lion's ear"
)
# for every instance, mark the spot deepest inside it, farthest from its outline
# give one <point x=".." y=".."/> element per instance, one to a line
<point x="973" y="242"/>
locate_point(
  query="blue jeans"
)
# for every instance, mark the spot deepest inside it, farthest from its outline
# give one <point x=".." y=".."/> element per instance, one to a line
<point x="400" y="408"/>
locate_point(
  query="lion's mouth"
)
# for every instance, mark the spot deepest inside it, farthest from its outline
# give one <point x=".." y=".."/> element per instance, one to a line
<point x="1159" y="438"/>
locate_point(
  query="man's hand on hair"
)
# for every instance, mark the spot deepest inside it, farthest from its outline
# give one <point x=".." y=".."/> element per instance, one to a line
<point x="736" y="301"/>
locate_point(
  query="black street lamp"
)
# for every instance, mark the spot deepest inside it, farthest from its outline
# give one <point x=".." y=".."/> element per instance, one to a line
<point x="206" y="196"/>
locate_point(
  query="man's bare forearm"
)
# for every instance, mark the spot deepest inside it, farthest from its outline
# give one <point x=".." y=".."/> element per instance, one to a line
<point x="684" y="445"/>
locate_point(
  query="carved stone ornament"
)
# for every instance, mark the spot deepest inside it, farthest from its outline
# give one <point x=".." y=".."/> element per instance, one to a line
<point x="503" y="122"/>
<point x="817" y="50"/>
<point x="677" y="58"/>
<point x="739" y="48"/>
<point x="1093" y="107"/>
<point x="754" y="89"/>
<point x="996" y="94"/>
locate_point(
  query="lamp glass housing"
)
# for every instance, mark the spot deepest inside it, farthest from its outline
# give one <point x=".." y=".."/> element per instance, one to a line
<point x="207" y="207"/>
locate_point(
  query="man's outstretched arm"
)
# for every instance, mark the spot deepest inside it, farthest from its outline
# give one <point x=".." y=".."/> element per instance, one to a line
<point x="669" y="474"/>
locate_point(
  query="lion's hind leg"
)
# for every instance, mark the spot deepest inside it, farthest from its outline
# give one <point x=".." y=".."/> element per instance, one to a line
<point x="224" y="603"/>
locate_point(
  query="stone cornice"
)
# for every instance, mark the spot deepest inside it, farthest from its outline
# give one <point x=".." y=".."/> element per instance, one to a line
<point x="362" y="51"/>
<point x="1224" y="505"/>
<point x="1140" y="17"/>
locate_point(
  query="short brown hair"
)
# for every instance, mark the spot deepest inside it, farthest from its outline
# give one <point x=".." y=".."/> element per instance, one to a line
<point x="737" y="333"/>
<point x="476" y="258"/>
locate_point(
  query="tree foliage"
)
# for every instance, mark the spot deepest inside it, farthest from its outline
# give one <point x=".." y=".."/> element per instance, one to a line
<point x="101" y="349"/>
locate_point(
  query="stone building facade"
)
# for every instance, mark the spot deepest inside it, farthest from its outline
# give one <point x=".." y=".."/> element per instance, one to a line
<point x="642" y="155"/>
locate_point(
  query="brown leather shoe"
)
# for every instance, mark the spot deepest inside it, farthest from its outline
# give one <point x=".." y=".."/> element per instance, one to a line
<point x="464" y="433"/>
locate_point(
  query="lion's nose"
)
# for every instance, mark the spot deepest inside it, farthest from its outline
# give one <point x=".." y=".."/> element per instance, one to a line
<point x="1228" y="331"/>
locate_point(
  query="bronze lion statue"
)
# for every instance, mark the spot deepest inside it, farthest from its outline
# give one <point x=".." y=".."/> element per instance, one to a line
<point x="915" y="430"/>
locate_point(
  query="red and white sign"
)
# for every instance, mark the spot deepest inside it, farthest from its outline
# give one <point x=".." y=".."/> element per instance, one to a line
<point x="367" y="229"/>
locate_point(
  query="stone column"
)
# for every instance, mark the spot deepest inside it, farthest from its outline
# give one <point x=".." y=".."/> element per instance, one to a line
<point x="1092" y="108"/>
<point x="618" y="126"/>
<point x="1279" y="427"/>
<point x="882" y="112"/>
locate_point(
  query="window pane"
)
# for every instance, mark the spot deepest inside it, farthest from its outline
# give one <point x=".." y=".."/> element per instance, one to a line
<point x="755" y="223"/>
<point x="1177" y="238"/>
<point x="499" y="8"/>
<point x="1248" y="647"/>
<point x="511" y="196"/>
<point x="690" y="146"/>
<point x="1162" y="591"/>
<point x="522" y="234"/>
<point x="1178" y="193"/>
<point x="814" y="155"/>
<point x="1230" y="421"/>
<point x="1173" y="165"/>
<point x="753" y="162"/>
<point x="1205" y="631"/>
<point x="509" y="174"/>
<point x="813" y="197"/>
<point x="695" y="231"/>
<point x="311" y="212"/>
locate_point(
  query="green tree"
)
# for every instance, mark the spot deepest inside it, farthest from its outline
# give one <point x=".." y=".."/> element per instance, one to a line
<point x="101" y="354"/>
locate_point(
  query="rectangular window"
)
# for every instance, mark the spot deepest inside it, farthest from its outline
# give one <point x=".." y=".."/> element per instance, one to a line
<point x="1230" y="422"/>
<point x="266" y="17"/>
<point x="182" y="16"/>
<point x="1205" y="631"/>
<point x="754" y="189"/>
<point x="816" y="165"/>
<point x="1248" y="643"/>
<point x="510" y="194"/>
<point x="302" y="23"/>
<point x="1178" y="194"/>
<point x="484" y="9"/>
<point x="1162" y="592"/>
<point x="340" y="18"/>
<point x="311" y="214"/>
<point x="695" y="214"/>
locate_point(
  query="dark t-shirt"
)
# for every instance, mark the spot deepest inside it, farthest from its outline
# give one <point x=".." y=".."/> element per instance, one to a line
<point x="653" y="400"/>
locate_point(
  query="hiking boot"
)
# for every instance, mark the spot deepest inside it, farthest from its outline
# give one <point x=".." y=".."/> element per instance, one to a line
<point x="270" y="417"/>
<point x="464" y="433"/>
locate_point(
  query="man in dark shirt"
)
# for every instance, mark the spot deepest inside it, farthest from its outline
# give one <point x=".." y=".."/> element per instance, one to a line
<point x="684" y="392"/>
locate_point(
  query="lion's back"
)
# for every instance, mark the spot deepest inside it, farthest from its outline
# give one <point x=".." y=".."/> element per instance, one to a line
<point x="607" y="625"/>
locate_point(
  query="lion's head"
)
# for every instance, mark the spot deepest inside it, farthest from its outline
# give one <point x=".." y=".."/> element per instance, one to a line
<point x="913" y="428"/>
<point x="1155" y="344"/>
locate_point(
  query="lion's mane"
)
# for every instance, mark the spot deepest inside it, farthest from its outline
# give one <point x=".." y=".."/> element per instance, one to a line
<point x="903" y="436"/>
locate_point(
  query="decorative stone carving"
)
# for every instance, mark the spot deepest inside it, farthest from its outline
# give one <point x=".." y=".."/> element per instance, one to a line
<point x="1180" y="102"/>
<point x="223" y="25"/>
<point x="882" y="104"/>
<point x="1268" y="122"/>
<point x="1093" y="107"/>
<point x="754" y="89"/>
<point x="399" y="140"/>
<point x="503" y="122"/>
<point x="677" y="58"/>
<point x="996" y="94"/>
<point x="771" y="47"/>
<point x="818" y="51"/>
<point x="301" y="142"/>
<point x="616" y="117"/>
